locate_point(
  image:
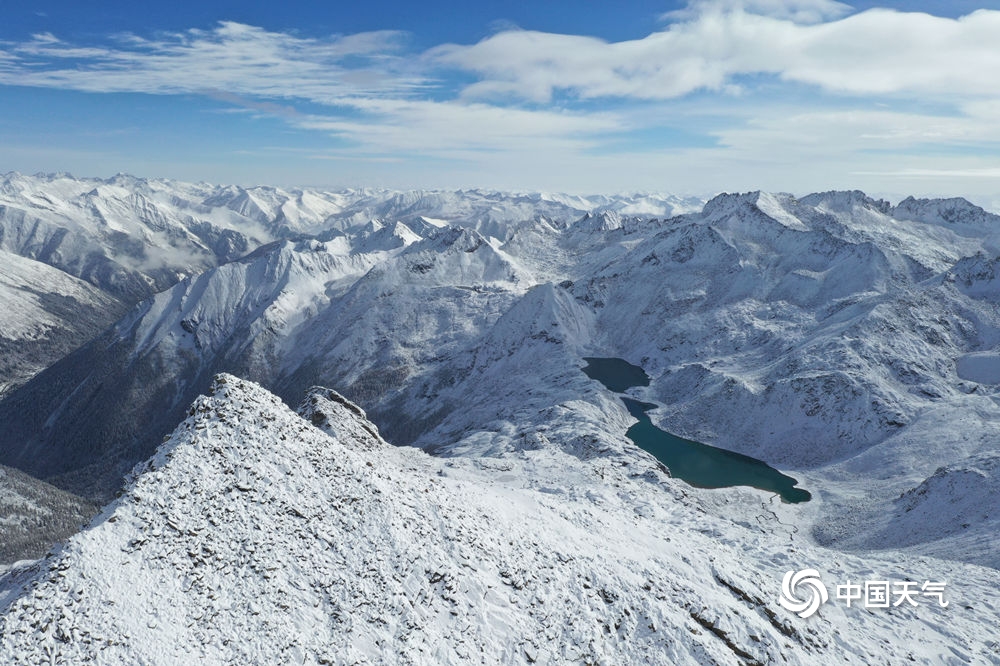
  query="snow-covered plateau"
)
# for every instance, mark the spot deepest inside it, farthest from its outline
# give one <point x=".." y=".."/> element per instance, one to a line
<point x="851" y="343"/>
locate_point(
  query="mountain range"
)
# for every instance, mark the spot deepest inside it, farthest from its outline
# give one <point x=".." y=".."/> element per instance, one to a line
<point x="849" y="342"/>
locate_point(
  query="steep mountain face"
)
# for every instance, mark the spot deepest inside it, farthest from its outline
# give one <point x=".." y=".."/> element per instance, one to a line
<point x="46" y="315"/>
<point x="153" y="362"/>
<point x="35" y="515"/>
<point x="252" y="536"/>
<point x="132" y="237"/>
<point x="828" y="335"/>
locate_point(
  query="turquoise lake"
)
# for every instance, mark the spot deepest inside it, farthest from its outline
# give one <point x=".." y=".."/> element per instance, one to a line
<point x="698" y="464"/>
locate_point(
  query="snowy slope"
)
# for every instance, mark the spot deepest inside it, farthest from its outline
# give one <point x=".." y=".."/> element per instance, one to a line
<point x="133" y="237"/>
<point x="842" y="339"/>
<point x="253" y="537"/>
<point x="45" y="315"/>
<point x="959" y="501"/>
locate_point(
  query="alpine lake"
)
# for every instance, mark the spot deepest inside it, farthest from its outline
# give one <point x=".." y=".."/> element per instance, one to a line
<point x="700" y="465"/>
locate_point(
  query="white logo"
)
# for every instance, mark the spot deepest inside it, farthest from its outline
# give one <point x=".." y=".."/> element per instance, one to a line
<point x="807" y="578"/>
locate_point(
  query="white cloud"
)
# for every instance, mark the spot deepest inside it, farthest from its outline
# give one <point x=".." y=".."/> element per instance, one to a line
<point x="874" y="52"/>
<point x="991" y="173"/>
<point x="823" y="134"/>
<point x="234" y="58"/>
<point x="388" y="106"/>
<point x="453" y="128"/>
<point x="378" y="103"/>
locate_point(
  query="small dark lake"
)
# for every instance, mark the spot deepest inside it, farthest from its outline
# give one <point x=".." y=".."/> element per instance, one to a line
<point x="698" y="464"/>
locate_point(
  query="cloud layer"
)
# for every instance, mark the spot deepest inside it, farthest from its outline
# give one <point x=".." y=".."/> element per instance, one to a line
<point x="789" y="79"/>
<point x="874" y="52"/>
<point x="234" y="58"/>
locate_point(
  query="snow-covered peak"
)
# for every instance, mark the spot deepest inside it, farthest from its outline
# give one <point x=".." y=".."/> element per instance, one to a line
<point x="247" y="203"/>
<point x="455" y="238"/>
<point x="377" y="236"/>
<point x="127" y="181"/>
<point x="602" y="222"/>
<point x="948" y="211"/>
<point x="978" y="276"/>
<point x="845" y="201"/>
<point x="650" y="205"/>
<point x="778" y="207"/>
<point x="727" y="203"/>
<point x="457" y="255"/>
<point x="339" y="417"/>
<point x="207" y="309"/>
<point x="791" y="212"/>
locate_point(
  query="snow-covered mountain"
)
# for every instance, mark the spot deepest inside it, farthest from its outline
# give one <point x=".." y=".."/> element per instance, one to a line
<point x="252" y="536"/>
<point x="851" y="343"/>
<point x="828" y="335"/>
<point x="131" y="238"/>
<point x="46" y="315"/>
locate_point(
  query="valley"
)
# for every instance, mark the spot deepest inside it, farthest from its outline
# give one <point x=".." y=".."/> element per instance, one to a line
<point x="844" y="340"/>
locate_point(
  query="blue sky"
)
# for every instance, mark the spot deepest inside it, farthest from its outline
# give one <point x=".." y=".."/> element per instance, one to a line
<point x="688" y="97"/>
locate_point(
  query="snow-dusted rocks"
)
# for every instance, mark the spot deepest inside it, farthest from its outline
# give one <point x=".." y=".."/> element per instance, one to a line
<point x="340" y="418"/>
<point x="253" y="537"/>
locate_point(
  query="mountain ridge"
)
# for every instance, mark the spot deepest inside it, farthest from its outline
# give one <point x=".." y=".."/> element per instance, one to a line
<point x="312" y="548"/>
